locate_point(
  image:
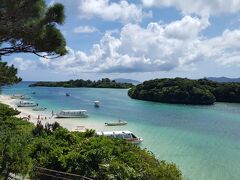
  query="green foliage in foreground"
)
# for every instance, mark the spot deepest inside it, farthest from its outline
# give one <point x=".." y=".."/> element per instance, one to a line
<point x="8" y="74"/>
<point x="23" y="146"/>
<point x="6" y="111"/>
<point x="15" y="137"/>
<point x="186" y="91"/>
<point x="103" y="83"/>
<point x="28" y="26"/>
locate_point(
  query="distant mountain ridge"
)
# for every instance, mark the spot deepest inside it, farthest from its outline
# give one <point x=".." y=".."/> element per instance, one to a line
<point x="122" y="80"/>
<point x="223" y="79"/>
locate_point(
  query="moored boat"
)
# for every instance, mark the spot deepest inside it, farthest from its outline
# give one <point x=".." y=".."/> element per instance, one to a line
<point x="97" y="103"/>
<point x="72" y="114"/>
<point x="127" y="135"/>
<point x="24" y="98"/>
<point x="26" y="104"/>
<point x="67" y="94"/>
<point x="117" y="123"/>
<point x="17" y="96"/>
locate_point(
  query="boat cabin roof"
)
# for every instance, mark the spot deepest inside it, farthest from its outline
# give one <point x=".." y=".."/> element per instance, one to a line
<point x="26" y="102"/>
<point x="113" y="132"/>
<point x="18" y="95"/>
<point x="73" y="111"/>
<point x="97" y="101"/>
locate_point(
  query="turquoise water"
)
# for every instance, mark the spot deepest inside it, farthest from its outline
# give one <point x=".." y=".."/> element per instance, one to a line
<point x="204" y="141"/>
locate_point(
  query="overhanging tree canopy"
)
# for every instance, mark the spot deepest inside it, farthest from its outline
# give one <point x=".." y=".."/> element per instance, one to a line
<point x="29" y="26"/>
<point x="8" y="74"/>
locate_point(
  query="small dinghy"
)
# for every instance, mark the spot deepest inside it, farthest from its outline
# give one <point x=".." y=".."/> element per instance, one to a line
<point x="67" y="94"/>
<point x="97" y="104"/>
<point x="117" y="123"/>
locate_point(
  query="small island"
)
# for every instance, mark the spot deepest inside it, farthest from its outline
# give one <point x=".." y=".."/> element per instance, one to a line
<point x="103" y="83"/>
<point x="186" y="91"/>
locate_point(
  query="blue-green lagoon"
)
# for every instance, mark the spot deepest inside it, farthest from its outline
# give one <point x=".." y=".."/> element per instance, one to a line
<point x="204" y="141"/>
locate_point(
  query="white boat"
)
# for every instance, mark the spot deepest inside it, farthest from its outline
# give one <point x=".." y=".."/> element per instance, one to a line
<point x="127" y="135"/>
<point x="26" y="104"/>
<point x="17" y="96"/>
<point x="72" y="114"/>
<point x="25" y="98"/>
<point x="117" y="123"/>
<point x="97" y="103"/>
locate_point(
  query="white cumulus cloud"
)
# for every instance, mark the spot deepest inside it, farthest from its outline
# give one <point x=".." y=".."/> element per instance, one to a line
<point x="23" y="64"/>
<point x="224" y="49"/>
<point x="158" y="47"/>
<point x="201" y="7"/>
<point x="108" y="10"/>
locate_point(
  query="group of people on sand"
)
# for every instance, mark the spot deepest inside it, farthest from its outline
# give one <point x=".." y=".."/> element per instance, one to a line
<point x="45" y="117"/>
<point x="39" y="117"/>
<point x="42" y="118"/>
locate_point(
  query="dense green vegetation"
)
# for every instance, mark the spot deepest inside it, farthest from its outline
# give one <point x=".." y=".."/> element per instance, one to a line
<point x="15" y="136"/>
<point x="186" y="91"/>
<point x="28" y="26"/>
<point x="24" y="146"/>
<point x="103" y="83"/>
<point x="8" y="74"/>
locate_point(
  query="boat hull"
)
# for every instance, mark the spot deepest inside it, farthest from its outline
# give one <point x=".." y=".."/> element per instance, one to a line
<point x="25" y="98"/>
<point x="115" y="124"/>
<point x="126" y="135"/>
<point x="71" y="116"/>
<point x="26" y="104"/>
<point x="21" y="105"/>
<point x="135" y="140"/>
<point x="16" y="97"/>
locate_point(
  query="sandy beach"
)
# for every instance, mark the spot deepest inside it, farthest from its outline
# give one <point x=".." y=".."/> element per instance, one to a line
<point x="46" y="117"/>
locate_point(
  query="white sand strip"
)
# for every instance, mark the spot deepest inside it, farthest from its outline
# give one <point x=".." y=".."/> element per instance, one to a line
<point x="72" y="124"/>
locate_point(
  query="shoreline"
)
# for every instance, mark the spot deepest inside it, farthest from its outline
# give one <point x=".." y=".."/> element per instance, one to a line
<point x="46" y="117"/>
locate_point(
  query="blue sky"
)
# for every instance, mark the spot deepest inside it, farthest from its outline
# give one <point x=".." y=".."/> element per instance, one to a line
<point x="142" y="39"/>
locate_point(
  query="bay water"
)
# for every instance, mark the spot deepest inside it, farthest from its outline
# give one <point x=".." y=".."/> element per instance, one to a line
<point x="204" y="141"/>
